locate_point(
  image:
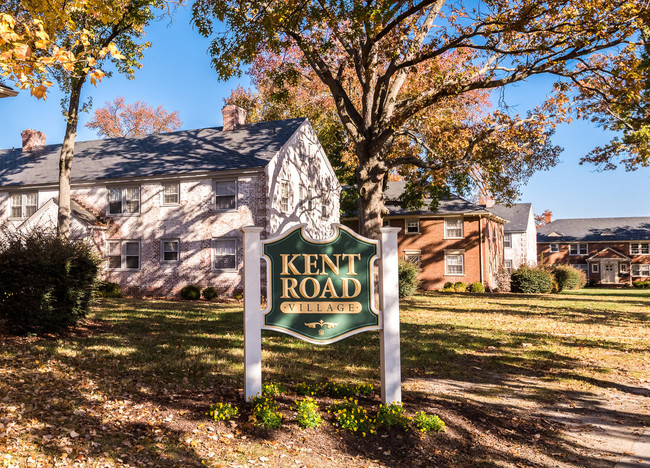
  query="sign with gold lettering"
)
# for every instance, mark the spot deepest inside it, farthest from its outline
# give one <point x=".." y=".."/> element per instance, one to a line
<point x="320" y="291"/>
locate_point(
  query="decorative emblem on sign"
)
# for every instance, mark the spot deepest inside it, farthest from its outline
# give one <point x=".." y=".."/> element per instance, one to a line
<point x="320" y="291"/>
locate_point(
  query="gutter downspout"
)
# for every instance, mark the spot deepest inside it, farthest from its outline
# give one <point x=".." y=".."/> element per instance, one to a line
<point x="480" y="248"/>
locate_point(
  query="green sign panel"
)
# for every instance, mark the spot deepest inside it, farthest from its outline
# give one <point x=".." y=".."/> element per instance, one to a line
<point x="320" y="291"/>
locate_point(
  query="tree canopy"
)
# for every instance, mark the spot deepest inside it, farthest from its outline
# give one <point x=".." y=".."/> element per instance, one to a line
<point x="118" y="119"/>
<point x="371" y="55"/>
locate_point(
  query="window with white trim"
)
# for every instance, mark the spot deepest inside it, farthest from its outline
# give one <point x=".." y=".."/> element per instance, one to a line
<point x="622" y="267"/>
<point x="577" y="249"/>
<point x="554" y="248"/>
<point x="413" y="256"/>
<point x="123" y="200"/>
<point x="453" y="228"/>
<point x="225" y="195"/>
<point x="581" y="266"/>
<point x="224" y="254"/>
<point x="640" y="269"/>
<point x="595" y="268"/>
<point x="123" y="255"/>
<point x="324" y="203"/>
<point x="171" y="194"/>
<point x="640" y="249"/>
<point x="284" y="196"/>
<point x="412" y="226"/>
<point x="454" y="264"/>
<point x="23" y="205"/>
<point x="508" y="265"/>
<point x="507" y="240"/>
<point x="170" y="250"/>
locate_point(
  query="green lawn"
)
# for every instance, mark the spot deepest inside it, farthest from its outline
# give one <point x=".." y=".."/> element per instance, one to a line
<point x="628" y="292"/>
<point x="132" y="386"/>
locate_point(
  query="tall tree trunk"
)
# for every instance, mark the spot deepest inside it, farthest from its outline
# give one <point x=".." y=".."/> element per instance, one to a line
<point x="370" y="204"/>
<point x="65" y="159"/>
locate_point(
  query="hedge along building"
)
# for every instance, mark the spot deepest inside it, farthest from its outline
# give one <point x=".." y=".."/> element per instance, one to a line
<point x="459" y="242"/>
<point x="167" y="210"/>
<point x="611" y="251"/>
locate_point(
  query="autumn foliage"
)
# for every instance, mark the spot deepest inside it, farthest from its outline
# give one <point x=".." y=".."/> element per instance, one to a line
<point x="118" y="119"/>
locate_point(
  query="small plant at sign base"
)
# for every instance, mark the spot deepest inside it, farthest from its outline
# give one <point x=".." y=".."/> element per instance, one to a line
<point x="351" y="417"/>
<point x="364" y="389"/>
<point x="223" y="412"/>
<point x="308" y="413"/>
<point x="305" y="389"/>
<point x="426" y="423"/>
<point x="336" y="390"/>
<point x="392" y="415"/>
<point x="265" y="412"/>
<point x="273" y="389"/>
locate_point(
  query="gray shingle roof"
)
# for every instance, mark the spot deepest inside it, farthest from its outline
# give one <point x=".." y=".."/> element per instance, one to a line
<point x="517" y="215"/>
<point x="6" y="91"/>
<point x="595" y="229"/>
<point x="182" y="152"/>
<point x="449" y="205"/>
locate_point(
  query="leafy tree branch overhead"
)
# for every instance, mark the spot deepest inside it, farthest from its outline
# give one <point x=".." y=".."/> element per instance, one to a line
<point x="368" y="55"/>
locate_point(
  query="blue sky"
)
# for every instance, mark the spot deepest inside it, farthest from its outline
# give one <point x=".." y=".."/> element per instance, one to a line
<point x="176" y="74"/>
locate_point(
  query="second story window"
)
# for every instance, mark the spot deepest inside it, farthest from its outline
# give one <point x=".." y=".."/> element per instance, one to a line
<point x="123" y="200"/>
<point x="171" y="194"/>
<point x="324" y="202"/>
<point x="284" y="196"/>
<point x="23" y="205"/>
<point x="412" y="226"/>
<point x="555" y="248"/>
<point x="453" y="228"/>
<point x="225" y="194"/>
<point x="507" y="240"/>
<point x="577" y="249"/>
<point x="639" y="249"/>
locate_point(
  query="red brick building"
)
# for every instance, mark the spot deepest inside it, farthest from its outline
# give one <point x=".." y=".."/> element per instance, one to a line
<point x="611" y="251"/>
<point x="460" y="241"/>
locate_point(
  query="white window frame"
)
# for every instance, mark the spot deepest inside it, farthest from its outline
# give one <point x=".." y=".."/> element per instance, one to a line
<point x="410" y="223"/>
<point x="580" y="266"/>
<point x="23" y="205"/>
<point x="124" y="201"/>
<point x="554" y="248"/>
<point x="324" y="200"/>
<point x="285" y="194"/>
<point x="235" y="196"/>
<point x="448" y="228"/>
<point x="413" y="256"/>
<point x="507" y="240"/>
<point x="163" y="251"/>
<point x="455" y="253"/>
<point x="578" y="249"/>
<point x="595" y="268"/>
<point x="640" y="248"/>
<point x="164" y="194"/>
<point x="506" y="263"/>
<point x="622" y="268"/>
<point x="640" y="270"/>
<point x="123" y="243"/>
<point x="215" y="240"/>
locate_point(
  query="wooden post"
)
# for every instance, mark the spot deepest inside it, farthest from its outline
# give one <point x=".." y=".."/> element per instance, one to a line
<point x="252" y="313"/>
<point x="391" y="374"/>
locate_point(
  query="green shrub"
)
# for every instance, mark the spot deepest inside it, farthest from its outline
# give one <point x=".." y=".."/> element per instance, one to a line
<point x="273" y="389"/>
<point x="364" y="389"/>
<point x="641" y="284"/>
<point x="108" y="289"/>
<point x="308" y="413"/>
<point x="191" y="292"/>
<point x="460" y="287"/>
<point x="351" y="417"/>
<point x="568" y="277"/>
<point x="426" y="423"/>
<point x="408" y="278"/>
<point x="336" y="390"/>
<point x="448" y="285"/>
<point x="265" y="412"/>
<point x="392" y="415"/>
<point x="223" y="412"/>
<point x="209" y="293"/>
<point x="477" y="287"/>
<point x="46" y="282"/>
<point x="531" y="280"/>
<point x="448" y="289"/>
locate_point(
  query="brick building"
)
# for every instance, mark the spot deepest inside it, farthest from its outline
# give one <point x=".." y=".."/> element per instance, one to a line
<point x="166" y="210"/>
<point x="460" y="241"/>
<point x="611" y="251"/>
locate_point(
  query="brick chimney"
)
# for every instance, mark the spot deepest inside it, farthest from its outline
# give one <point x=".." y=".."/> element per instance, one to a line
<point x="233" y="117"/>
<point x="548" y="214"/>
<point x="32" y="139"/>
<point x="486" y="200"/>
